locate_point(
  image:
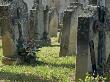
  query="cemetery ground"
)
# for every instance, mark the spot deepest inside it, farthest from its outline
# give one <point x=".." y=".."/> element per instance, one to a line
<point x="49" y="68"/>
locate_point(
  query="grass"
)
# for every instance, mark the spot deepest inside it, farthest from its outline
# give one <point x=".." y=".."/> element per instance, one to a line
<point x="50" y="66"/>
<point x="0" y="51"/>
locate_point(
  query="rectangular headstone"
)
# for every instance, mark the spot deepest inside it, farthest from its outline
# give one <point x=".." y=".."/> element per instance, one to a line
<point x="32" y="25"/>
<point x="53" y="24"/>
<point x="83" y="55"/>
<point x="46" y="20"/>
<point x="69" y="31"/>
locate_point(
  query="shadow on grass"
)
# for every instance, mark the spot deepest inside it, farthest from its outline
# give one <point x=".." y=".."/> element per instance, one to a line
<point x="55" y="65"/>
<point x="49" y="45"/>
<point x="40" y="63"/>
<point x="12" y="77"/>
<point x="53" y="45"/>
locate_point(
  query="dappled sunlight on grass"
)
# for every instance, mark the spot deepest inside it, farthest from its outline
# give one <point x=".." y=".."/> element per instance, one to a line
<point x="49" y="66"/>
<point x="0" y="51"/>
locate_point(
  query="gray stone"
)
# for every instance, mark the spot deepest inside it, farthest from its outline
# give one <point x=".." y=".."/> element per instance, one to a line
<point x="69" y="30"/>
<point x="98" y="32"/>
<point x="83" y="64"/>
<point x="9" y="47"/>
<point x="53" y="24"/>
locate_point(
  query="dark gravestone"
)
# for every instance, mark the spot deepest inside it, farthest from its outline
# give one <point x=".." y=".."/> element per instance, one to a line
<point x="83" y="59"/>
<point x="46" y="19"/>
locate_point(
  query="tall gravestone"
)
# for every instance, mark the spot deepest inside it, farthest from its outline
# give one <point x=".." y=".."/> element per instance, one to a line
<point x="83" y="55"/>
<point x="53" y="23"/>
<point x="69" y="30"/>
<point x="32" y="25"/>
<point x="39" y="18"/>
<point x="46" y="20"/>
<point x="19" y="20"/>
<point x="8" y="45"/>
<point x="93" y="43"/>
<point x="53" y="6"/>
<point x="107" y="5"/>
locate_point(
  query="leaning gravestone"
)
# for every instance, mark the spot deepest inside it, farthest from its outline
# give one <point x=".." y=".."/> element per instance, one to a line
<point x="8" y="45"/>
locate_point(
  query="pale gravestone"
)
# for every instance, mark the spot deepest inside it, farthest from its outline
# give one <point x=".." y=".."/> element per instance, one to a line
<point x="53" y="24"/>
<point x="8" y="45"/>
<point x="69" y="31"/>
<point x="38" y="20"/>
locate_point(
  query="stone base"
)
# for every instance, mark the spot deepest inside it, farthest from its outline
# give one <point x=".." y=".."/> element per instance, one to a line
<point x="107" y="66"/>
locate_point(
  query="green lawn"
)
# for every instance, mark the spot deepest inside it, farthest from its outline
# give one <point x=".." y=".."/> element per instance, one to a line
<point x="50" y="67"/>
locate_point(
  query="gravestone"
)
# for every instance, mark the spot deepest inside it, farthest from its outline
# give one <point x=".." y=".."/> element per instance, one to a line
<point x="93" y="43"/>
<point x="69" y="30"/>
<point x="32" y="25"/>
<point x="8" y="44"/>
<point x="107" y="69"/>
<point x="53" y="23"/>
<point x="46" y="20"/>
<point x="87" y="43"/>
<point x="39" y="18"/>
<point x="19" y="20"/>
<point x="83" y="56"/>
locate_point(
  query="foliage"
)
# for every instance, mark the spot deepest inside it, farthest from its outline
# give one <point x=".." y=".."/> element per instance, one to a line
<point x="0" y="53"/>
<point x="89" y="78"/>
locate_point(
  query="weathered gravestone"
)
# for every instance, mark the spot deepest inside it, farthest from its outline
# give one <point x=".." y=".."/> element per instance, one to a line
<point x="53" y="23"/>
<point x="53" y="6"/>
<point x="19" y="20"/>
<point x="14" y="21"/>
<point x="93" y="43"/>
<point x="107" y="5"/>
<point x="39" y="23"/>
<point x="83" y="55"/>
<point x="8" y="44"/>
<point x="32" y="25"/>
<point x="69" y="30"/>
<point x="46" y="38"/>
<point x="39" y="17"/>
<point x="46" y="19"/>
